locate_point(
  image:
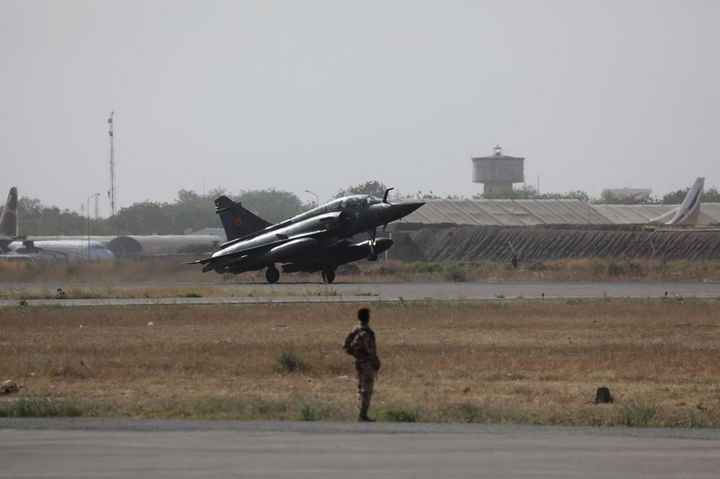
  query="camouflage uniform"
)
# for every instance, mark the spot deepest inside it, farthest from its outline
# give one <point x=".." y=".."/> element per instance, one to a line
<point x="360" y="344"/>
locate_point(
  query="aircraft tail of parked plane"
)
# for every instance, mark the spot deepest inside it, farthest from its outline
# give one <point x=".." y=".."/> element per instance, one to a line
<point x="688" y="211"/>
<point x="8" y="220"/>
<point x="236" y="220"/>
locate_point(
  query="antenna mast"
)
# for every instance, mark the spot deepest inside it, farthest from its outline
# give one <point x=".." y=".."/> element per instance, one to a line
<point x="112" y="192"/>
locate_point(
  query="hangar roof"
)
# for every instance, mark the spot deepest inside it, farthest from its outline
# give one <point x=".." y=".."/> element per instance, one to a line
<point x="506" y="212"/>
<point x="544" y="212"/>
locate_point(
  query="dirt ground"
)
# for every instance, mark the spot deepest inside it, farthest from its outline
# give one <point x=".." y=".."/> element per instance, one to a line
<point x="524" y="362"/>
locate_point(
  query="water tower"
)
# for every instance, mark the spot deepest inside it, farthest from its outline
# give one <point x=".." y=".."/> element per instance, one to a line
<point x="498" y="172"/>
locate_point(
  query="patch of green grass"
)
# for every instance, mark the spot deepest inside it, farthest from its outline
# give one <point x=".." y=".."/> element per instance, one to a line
<point x="263" y="408"/>
<point x="401" y="415"/>
<point x="228" y="408"/>
<point x="695" y="419"/>
<point x="313" y="410"/>
<point x="308" y="412"/>
<point x="638" y="414"/>
<point x="464" y="412"/>
<point x="293" y="408"/>
<point x="323" y="291"/>
<point x="49" y="407"/>
<point x="481" y="413"/>
<point x="213" y="408"/>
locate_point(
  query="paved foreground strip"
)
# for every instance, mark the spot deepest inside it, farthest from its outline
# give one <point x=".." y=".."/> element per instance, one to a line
<point x="398" y="292"/>
<point x="180" y="449"/>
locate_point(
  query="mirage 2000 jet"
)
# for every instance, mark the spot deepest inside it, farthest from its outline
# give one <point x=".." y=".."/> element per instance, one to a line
<point x="317" y="240"/>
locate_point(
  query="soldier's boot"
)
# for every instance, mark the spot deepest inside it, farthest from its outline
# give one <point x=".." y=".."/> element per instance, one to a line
<point x="364" y="406"/>
<point x="363" y="417"/>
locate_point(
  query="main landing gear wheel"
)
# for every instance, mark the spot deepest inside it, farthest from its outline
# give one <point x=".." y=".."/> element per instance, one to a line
<point x="328" y="276"/>
<point x="272" y="275"/>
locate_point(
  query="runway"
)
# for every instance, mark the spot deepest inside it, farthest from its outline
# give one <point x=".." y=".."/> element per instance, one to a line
<point x="397" y="292"/>
<point x="116" y="448"/>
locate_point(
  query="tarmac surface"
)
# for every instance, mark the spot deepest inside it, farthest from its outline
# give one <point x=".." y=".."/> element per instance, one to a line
<point x="395" y="292"/>
<point x="118" y="448"/>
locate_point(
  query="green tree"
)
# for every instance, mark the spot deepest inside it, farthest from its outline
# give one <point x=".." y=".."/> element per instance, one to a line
<point x="711" y="195"/>
<point x="272" y="205"/>
<point x="570" y="195"/>
<point x="372" y="187"/>
<point x="607" y="197"/>
<point x="36" y="219"/>
<point x="147" y="217"/>
<point x="528" y="192"/>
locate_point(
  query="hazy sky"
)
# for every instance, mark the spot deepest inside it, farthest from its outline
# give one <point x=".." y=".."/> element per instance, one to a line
<point x="319" y="95"/>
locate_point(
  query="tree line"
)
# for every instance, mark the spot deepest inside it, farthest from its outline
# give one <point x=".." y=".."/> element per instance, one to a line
<point x="192" y="211"/>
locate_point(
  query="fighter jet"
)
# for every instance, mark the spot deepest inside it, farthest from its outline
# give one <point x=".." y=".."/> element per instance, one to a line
<point x="318" y="240"/>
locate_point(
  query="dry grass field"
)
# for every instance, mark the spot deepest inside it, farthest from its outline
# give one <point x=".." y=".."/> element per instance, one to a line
<point x="527" y="362"/>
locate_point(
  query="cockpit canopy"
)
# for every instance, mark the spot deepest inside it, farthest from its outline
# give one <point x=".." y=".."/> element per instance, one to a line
<point x="352" y="203"/>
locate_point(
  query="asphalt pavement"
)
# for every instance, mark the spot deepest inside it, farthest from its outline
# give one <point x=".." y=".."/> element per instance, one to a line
<point x="117" y="448"/>
<point x="395" y="292"/>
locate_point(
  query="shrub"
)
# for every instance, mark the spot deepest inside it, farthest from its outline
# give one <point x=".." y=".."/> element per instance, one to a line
<point x="537" y="266"/>
<point x="638" y="415"/>
<point x="457" y="275"/>
<point x="289" y="362"/>
<point x="635" y="268"/>
<point x="598" y="267"/>
<point x="43" y="407"/>
<point x="401" y="415"/>
<point x="465" y="412"/>
<point x="309" y="413"/>
<point x="615" y="269"/>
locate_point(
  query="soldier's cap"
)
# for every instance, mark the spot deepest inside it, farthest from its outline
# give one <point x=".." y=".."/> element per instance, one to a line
<point x="363" y="315"/>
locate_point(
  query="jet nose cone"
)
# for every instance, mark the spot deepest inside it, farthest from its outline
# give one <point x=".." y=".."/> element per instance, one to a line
<point x="400" y="210"/>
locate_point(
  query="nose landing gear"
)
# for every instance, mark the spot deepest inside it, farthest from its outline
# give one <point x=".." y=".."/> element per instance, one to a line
<point x="328" y="276"/>
<point x="372" y="256"/>
<point x="272" y="275"/>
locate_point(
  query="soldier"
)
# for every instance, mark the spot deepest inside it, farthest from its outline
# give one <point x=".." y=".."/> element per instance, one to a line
<point x="360" y="344"/>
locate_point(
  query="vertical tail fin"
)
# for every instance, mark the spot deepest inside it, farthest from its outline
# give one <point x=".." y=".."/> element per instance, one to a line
<point x="8" y="220"/>
<point x="688" y="211"/>
<point x="236" y="220"/>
